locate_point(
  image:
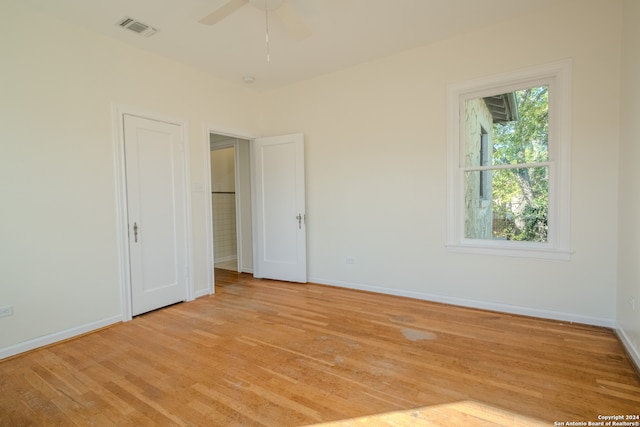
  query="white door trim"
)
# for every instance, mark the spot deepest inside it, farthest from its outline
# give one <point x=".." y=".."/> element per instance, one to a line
<point x="124" y="268"/>
<point x="208" y="129"/>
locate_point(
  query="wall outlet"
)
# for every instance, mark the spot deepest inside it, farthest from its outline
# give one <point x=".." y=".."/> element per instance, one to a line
<point x="6" y="311"/>
<point x="350" y="260"/>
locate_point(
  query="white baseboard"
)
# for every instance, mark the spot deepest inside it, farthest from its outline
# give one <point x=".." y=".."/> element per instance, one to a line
<point x="225" y="259"/>
<point x="464" y="302"/>
<point x="202" y="293"/>
<point x="57" y="336"/>
<point x="633" y="352"/>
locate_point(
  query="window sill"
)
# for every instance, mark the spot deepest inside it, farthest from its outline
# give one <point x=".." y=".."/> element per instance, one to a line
<point x="517" y="250"/>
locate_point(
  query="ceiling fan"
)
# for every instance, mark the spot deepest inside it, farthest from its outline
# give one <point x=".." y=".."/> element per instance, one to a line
<point x="290" y="19"/>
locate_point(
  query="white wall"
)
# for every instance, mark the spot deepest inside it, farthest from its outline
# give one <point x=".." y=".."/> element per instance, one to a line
<point x="376" y="167"/>
<point x="58" y="235"/>
<point x="223" y="176"/>
<point x="629" y="184"/>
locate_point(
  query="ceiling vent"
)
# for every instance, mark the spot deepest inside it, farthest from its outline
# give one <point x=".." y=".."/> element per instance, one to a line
<point x="137" y="27"/>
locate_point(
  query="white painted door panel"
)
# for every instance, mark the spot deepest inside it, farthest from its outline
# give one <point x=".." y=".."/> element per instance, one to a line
<point x="280" y="208"/>
<point x="154" y="153"/>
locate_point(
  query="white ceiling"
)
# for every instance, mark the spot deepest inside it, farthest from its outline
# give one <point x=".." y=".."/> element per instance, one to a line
<point x="344" y="32"/>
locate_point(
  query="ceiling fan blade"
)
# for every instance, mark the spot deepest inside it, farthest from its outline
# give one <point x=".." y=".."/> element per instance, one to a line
<point x="222" y="12"/>
<point x="292" y="22"/>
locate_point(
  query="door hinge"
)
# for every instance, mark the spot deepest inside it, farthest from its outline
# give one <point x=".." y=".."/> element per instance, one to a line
<point x="135" y="232"/>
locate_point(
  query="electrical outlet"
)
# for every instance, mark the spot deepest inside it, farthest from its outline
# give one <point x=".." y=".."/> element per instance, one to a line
<point x="6" y="311"/>
<point x="350" y="260"/>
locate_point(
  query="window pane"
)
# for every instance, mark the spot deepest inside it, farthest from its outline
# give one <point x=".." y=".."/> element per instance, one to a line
<point x="478" y="133"/>
<point x="517" y="209"/>
<point x="517" y="128"/>
<point x="478" y="215"/>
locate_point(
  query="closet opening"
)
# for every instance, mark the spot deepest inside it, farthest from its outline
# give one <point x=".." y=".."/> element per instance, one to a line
<point x="231" y="203"/>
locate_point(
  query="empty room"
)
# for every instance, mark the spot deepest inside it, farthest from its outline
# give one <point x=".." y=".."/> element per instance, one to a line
<point x="423" y="212"/>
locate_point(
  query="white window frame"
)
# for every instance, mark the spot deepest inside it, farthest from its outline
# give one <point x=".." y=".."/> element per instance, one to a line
<point x="557" y="76"/>
<point x="484" y="156"/>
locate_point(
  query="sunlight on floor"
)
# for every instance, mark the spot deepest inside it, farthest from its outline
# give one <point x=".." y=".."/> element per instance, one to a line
<point x="457" y="413"/>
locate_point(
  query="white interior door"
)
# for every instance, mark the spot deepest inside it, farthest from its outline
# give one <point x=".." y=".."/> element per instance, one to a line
<point x="155" y="174"/>
<point x="280" y="235"/>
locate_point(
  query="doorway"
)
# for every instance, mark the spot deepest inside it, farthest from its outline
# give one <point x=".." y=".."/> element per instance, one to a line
<point x="231" y="203"/>
<point x="258" y="241"/>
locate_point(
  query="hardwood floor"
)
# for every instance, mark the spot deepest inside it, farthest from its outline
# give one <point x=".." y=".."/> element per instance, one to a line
<point x="268" y="353"/>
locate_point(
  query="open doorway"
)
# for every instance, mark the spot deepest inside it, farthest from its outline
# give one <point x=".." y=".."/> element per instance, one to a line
<point x="231" y="203"/>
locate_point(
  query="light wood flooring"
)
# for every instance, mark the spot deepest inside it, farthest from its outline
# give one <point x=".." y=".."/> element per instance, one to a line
<point x="269" y="353"/>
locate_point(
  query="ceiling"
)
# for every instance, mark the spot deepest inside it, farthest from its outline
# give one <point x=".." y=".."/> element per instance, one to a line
<point x="343" y="32"/>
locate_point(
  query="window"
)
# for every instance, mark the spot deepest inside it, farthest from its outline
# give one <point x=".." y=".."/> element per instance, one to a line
<point x="509" y="141"/>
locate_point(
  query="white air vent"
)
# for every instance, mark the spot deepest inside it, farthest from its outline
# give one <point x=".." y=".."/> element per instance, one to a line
<point x="137" y="27"/>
